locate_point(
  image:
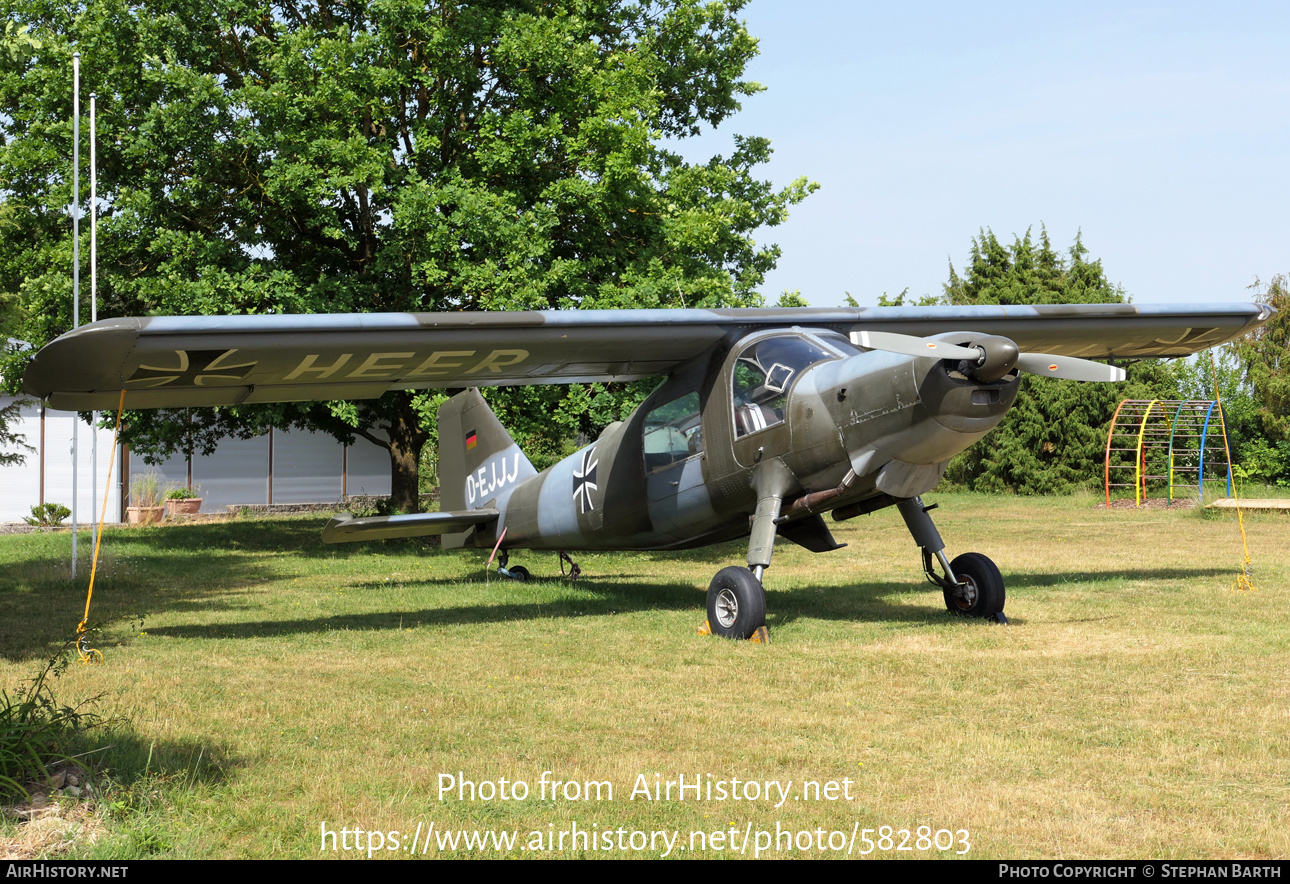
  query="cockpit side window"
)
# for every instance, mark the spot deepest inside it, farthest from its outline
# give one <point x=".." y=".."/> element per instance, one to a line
<point x="673" y="432"/>
<point x="763" y="374"/>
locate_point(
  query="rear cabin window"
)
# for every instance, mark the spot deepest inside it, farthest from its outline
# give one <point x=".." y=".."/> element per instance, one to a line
<point x="673" y="432"/>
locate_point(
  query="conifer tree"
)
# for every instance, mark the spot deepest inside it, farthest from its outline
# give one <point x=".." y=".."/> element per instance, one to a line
<point x="1054" y="438"/>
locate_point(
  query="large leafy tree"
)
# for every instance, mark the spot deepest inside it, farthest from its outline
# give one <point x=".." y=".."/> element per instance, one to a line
<point x="1054" y="438"/>
<point x="1257" y="455"/>
<point x="1254" y="376"/>
<point x="383" y="155"/>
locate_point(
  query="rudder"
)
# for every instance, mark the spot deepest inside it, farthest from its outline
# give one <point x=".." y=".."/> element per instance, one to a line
<point x="479" y="463"/>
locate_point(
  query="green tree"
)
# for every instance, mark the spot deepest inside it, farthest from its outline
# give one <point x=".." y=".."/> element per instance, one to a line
<point x="1254" y="378"/>
<point x="12" y="444"/>
<point x="903" y="299"/>
<point x="1054" y="438"/>
<point x="1029" y="273"/>
<point x="1256" y="455"/>
<point x="1265" y="356"/>
<point x="291" y="156"/>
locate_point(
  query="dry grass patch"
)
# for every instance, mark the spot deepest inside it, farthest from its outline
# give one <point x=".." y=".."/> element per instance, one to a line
<point x="43" y="829"/>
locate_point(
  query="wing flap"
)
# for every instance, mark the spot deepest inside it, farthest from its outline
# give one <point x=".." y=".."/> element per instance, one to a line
<point x="345" y="528"/>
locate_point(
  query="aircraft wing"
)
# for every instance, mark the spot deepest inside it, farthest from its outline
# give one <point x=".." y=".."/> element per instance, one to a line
<point x="174" y="361"/>
<point x="345" y="528"/>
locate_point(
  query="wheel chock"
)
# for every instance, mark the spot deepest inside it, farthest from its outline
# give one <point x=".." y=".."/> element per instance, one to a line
<point x="759" y="637"/>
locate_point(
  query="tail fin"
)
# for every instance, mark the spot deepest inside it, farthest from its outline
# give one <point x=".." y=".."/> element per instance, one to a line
<point x="479" y="463"/>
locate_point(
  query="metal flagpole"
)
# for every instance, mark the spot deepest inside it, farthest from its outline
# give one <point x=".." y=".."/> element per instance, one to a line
<point x="76" y="258"/>
<point x="94" y="317"/>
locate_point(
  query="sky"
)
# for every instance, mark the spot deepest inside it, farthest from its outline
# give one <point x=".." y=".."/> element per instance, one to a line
<point x="1161" y="132"/>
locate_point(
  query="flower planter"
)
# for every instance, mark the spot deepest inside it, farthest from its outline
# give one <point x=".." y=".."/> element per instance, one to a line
<point x="188" y="506"/>
<point x="144" y="515"/>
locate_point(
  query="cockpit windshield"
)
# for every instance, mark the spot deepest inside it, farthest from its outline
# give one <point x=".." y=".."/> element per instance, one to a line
<point x="763" y="374"/>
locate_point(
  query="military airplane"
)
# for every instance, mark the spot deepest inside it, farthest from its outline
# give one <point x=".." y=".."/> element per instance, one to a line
<point x="766" y="419"/>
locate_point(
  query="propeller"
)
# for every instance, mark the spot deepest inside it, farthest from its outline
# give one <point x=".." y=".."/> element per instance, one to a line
<point x="991" y="357"/>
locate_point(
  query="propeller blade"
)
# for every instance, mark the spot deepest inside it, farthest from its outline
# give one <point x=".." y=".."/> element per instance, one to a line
<point x="1068" y="368"/>
<point x="908" y="345"/>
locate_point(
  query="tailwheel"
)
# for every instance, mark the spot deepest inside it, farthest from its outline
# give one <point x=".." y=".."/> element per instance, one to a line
<point x="519" y="573"/>
<point x="736" y="603"/>
<point x="979" y="591"/>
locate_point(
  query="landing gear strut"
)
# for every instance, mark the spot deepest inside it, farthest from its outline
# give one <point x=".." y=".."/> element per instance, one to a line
<point x="971" y="583"/>
<point x="736" y="599"/>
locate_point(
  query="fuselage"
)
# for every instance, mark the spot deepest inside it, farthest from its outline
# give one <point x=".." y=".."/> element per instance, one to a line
<point x="831" y="424"/>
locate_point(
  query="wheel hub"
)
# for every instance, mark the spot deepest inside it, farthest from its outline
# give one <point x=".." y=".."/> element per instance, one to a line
<point x="967" y="592"/>
<point x="727" y="608"/>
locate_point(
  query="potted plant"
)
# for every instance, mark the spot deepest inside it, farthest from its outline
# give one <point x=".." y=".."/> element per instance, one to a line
<point x="145" y="499"/>
<point x="182" y="501"/>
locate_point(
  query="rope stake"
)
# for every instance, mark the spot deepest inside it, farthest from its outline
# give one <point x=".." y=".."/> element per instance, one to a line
<point x="1244" y="580"/>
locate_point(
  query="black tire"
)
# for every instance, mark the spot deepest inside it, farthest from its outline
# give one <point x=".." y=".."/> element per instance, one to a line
<point x="519" y="573"/>
<point x="983" y="594"/>
<point x="736" y="603"/>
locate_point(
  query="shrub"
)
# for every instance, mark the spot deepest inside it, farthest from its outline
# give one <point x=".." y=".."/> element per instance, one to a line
<point x="35" y="730"/>
<point x="47" y="515"/>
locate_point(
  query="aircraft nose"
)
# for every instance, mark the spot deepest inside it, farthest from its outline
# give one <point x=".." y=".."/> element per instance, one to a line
<point x="969" y="403"/>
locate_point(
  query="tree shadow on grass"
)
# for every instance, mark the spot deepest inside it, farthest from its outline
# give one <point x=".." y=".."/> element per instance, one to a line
<point x="1064" y="579"/>
<point x="869" y="601"/>
<point x="205" y="566"/>
<point x="874" y="601"/>
<point x="41" y="604"/>
<point x="136" y="780"/>
<point x="127" y="758"/>
<point x="38" y="618"/>
<point x="592" y="599"/>
<point x="586" y="598"/>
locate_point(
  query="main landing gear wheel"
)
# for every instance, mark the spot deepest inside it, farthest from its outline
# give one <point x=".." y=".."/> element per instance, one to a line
<point x="980" y="591"/>
<point x="736" y="603"/>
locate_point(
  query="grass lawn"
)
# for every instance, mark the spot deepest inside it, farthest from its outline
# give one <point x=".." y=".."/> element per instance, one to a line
<point x="1136" y="705"/>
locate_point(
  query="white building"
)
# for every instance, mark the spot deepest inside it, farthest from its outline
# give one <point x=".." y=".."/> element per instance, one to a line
<point x="278" y="467"/>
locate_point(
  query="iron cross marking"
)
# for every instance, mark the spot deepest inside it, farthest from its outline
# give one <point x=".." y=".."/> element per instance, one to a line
<point x="584" y="480"/>
<point x="196" y="368"/>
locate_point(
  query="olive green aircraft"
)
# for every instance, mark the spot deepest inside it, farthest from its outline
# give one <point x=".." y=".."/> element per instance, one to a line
<point x="765" y="421"/>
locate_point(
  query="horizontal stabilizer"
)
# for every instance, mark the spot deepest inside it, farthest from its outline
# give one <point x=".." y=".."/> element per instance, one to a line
<point x="344" y="528"/>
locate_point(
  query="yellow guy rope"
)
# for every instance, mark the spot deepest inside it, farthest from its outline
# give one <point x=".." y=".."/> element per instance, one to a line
<point x="85" y="653"/>
<point x="1244" y="580"/>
